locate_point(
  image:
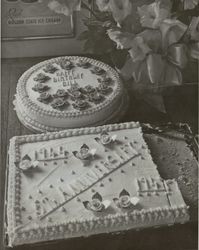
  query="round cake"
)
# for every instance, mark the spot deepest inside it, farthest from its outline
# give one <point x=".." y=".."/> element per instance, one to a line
<point x="69" y="92"/>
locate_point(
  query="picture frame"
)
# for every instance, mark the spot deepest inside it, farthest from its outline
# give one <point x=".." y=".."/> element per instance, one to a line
<point x="33" y="20"/>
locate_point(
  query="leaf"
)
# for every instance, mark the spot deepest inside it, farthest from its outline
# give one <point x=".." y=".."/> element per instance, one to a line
<point x="97" y="196"/>
<point x="86" y="204"/>
<point x="26" y="157"/>
<point x="84" y="146"/>
<point x="124" y="192"/>
<point x="75" y="153"/>
<point x="97" y="139"/>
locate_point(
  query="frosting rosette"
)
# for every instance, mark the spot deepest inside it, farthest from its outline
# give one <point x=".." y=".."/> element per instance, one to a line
<point x="125" y="200"/>
<point x="103" y="88"/>
<point x="61" y="93"/>
<point x="41" y="78"/>
<point x="50" y="69"/>
<point x="105" y="138"/>
<point x="58" y="103"/>
<point x="44" y="97"/>
<point x="84" y="153"/>
<point x="26" y="163"/>
<point x="105" y="80"/>
<point x="66" y="64"/>
<point x="88" y="89"/>
<point x="84" y="64"/>
<point x="95" y="97"/>
<point x="97" y="204"/>
<point x="98" y="71"/>
<point x="40" y="87"/>
<point x="80" y="104"/>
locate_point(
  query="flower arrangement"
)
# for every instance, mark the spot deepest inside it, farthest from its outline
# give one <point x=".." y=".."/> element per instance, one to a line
<point x="151" y="42"/>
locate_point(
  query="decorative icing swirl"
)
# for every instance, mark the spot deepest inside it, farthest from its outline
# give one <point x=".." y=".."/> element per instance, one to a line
<point x="88" y="89"/>
<point x="41" y="78"/>
<point x="105" y="80"/>
<point x="80" y="104"/>
<point x="104" y="89"/>
<point x="97" y="204"/>
<point x="61" y="93"/>
<point x="66" y="64"/>
<point x="84" y="64"/>
<point x="98" y="71"/>
<point x="95" y="97"/>
<point x="125" y="200"/>
<point x="59" y="103"/>
<point x="40" y="87"/>
<point x="44" y="97"/>
<point x="50" y="69"/>
<point x="84" y="153"/>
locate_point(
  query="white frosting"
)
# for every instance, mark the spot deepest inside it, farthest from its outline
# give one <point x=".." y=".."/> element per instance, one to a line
<point x="47" y="201"/>
<point x="27" y="103"/>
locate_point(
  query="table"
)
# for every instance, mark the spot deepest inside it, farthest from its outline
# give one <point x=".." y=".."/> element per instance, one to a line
<point x="181" y="106"/>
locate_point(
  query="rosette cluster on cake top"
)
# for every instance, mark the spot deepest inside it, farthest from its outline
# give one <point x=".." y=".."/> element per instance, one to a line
<point x="69" y="92"/>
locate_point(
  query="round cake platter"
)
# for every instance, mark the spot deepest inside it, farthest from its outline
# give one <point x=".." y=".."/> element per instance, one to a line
<point x="69" y="80"/>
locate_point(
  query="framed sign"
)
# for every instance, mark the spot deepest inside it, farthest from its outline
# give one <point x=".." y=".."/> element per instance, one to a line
<point x="32" y="19"/>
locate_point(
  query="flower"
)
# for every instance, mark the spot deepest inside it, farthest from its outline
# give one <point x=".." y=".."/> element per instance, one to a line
<point x="190" y="4"/>
<point x="84" y="64"/>
<point x="105" y="80"/>
<point x="95" y="97"/>
<point x="98" y="71"/>
<point x="65" y="7"/>
<point x="97" y="204"/>
<point x="89" y="89"/>
<point x="75" y="92"/>
<point x="50" y="69"/>
<point x="122" y="39"/>
<point x="40" y="87"/>
<point x="58" y="103"/>
<point x="120" y="8"/>
<point x="125" y="200"/>
<point x="41" y="78"/>
<point x="103" y="88"/>
<point x="44" y="97"/>
<point x="61" y="93"/>
<point x="194" y="29"/>
<point x="80" y="104"/>
<point x="152" y="15"/>
<point x="66" y="64"/>
<point x="85" y="153"/>
<point x="105" y="138"/>
<point x="27" y="163"/>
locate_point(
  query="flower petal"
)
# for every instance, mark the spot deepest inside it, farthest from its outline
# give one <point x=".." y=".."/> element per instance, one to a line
<point x="124" y="192"/>
<point x="86" y="204"/>
<point x="26" y="157"/>
<point x="97" y="196"/>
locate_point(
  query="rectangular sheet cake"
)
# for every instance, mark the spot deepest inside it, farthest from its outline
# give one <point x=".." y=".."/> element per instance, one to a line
<point x="86" y="181"/>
